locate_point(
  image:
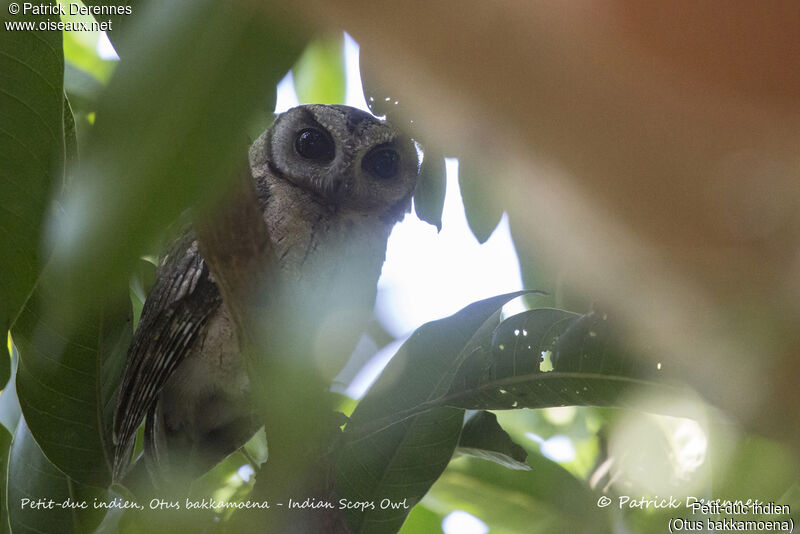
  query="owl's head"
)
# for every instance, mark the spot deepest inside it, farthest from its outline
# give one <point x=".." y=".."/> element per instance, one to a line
<point x="345" y="157"/>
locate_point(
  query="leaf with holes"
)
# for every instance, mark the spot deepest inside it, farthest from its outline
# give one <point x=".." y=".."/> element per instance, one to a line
<point x="589" y="367"/>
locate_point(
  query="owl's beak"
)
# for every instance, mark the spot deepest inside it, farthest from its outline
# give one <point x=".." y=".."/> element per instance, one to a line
<point x="339" y="187"/>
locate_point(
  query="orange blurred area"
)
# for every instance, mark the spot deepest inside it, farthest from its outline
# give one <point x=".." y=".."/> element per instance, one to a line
<point x="648" y="150"/>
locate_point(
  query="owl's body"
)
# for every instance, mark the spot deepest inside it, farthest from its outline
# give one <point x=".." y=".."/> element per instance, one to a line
<point x="329" y="199"/>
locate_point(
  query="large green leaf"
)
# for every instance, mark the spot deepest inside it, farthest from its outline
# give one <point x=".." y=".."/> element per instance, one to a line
<point x="33" y="479"/>
<point x="589" y="367"/>
<point x="319" y="76"/>
<point x="31" y="150"/>
<point x="386" y="463"/>
<point x="169" y="129"/>
<point x="66" y="379"/>
<point x="543" y="500"/>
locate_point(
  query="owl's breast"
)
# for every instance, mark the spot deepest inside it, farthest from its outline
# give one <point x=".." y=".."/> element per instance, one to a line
<point x="332" y="255"/>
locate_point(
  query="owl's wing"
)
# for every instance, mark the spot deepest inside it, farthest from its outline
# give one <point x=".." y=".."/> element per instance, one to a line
<point x="179" y="304"/>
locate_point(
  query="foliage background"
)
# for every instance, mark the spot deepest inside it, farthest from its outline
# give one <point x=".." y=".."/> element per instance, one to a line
<point x="140" y="133"/>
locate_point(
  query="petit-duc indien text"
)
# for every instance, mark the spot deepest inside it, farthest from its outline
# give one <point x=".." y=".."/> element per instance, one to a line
<point x="71" y="504"/>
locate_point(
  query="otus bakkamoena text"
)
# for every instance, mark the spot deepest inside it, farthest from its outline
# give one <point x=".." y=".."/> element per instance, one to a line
<point x="331" y="182"/>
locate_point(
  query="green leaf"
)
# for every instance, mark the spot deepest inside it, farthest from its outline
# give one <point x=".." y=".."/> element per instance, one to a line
<point x="32" y="478"/>
<point x="31" y="150"/>
<point x="589" y="367"/>
<point x="381" y="455"/>
<point x="543" y="500"/>
<point x="484" y="438"/>
<point x="430" y="191"/>
<point x="169" y="130"/>
<point x="67" y="376"/>
<point x="319" y="76"/>
<point x="480" y="206"/>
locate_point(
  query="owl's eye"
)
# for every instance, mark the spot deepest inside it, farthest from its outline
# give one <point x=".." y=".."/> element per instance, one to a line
<point x="382" y="162"/>
<point x="315" y="144"/>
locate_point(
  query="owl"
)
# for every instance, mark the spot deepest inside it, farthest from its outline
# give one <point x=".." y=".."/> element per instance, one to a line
<point x="331" y="182"/>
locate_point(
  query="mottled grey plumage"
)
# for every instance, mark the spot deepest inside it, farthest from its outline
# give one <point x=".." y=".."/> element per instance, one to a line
<point x="331" y="181"/>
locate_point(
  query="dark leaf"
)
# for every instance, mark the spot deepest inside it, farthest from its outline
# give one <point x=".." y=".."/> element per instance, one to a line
<point x="483" y="437"/>
<point x="31" y="151"/>
<point x="385" y="463"/>
<point x="430" y="191"/>
<point x="589" y="366"/>
<point x="480" y="206"/>
<point x="31" y="478"/>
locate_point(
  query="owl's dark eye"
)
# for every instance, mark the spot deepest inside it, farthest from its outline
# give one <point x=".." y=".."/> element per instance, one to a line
<point x="315" y="144"/>
<point x="382" y="162"/>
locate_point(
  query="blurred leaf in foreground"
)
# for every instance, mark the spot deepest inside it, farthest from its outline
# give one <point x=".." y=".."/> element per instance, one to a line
<point x="31" y="151"/>
<point x="169" y="128"/>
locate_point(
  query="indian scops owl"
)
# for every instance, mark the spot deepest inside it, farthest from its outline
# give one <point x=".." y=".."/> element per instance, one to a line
<point x="331" y="182"/>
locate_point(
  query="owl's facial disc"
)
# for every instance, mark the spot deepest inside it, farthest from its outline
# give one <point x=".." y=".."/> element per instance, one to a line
<point x="344" y="156"/>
